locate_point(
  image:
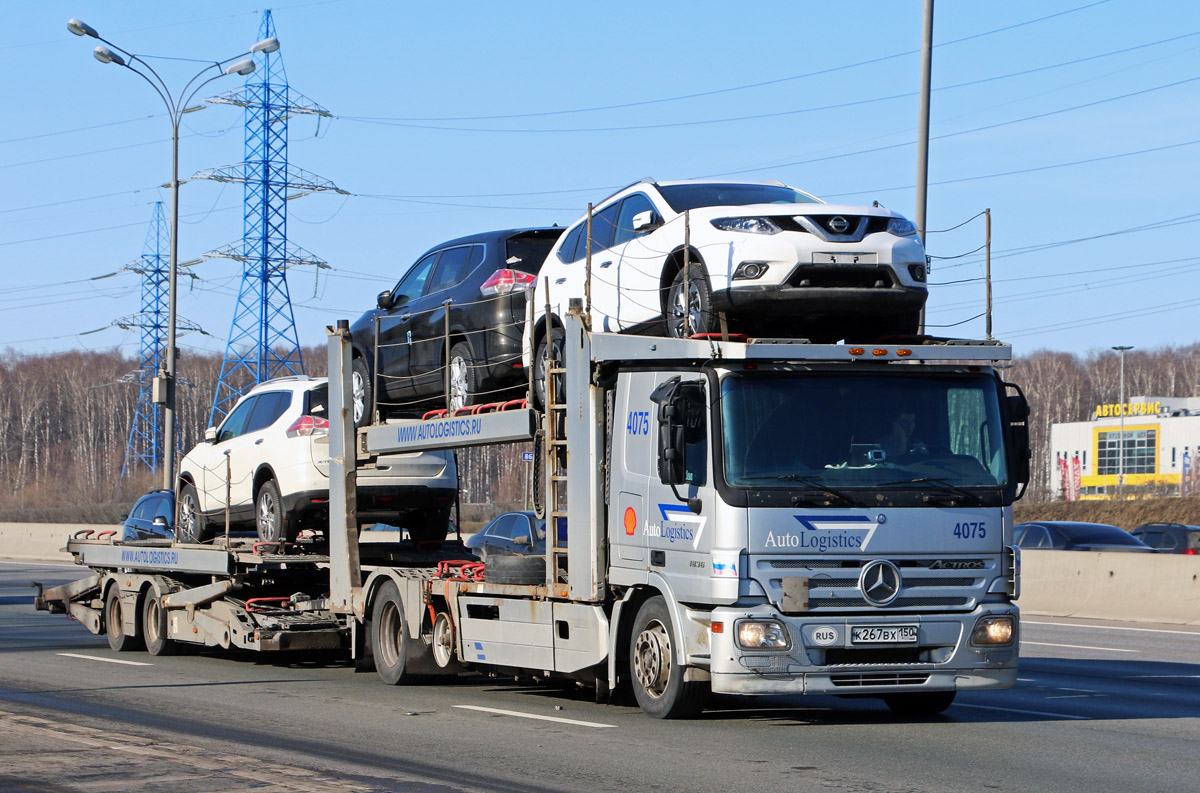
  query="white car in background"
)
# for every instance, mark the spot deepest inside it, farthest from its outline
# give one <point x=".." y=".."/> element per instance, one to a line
<point x="775" y="260"/>
<point x="276" y="440"/>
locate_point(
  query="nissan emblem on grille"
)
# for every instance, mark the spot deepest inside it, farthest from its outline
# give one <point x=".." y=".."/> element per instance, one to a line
<point x="880" y="582"/>
<point x="838" y="224"/>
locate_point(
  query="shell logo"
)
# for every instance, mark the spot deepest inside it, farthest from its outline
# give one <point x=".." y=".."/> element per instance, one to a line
<point x="630" y="521"/>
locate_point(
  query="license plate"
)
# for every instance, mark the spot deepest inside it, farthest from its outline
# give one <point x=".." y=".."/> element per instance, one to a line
<point x="883" y="634"/>
<point x="845" y="258"/>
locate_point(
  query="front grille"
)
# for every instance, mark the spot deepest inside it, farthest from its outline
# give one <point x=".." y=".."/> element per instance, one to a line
<point x="898" y="603"/>
<point x="842" y="276"/>
<point x="879" y="679"/>
<point x="882" y="655"/>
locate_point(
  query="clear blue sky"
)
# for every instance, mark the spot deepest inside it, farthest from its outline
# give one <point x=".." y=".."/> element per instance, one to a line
<point x="1074" y="121"/>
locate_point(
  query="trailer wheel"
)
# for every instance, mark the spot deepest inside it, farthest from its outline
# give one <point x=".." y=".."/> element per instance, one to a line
<point x="514" y="569"/>
<point x="114" y="623"/>
<point x="443" y="641"/>
<point x="389" y="634"/>
<point x="658" y="681"/>
<point x="154" y="626"/>
<point x="923" y="703"/>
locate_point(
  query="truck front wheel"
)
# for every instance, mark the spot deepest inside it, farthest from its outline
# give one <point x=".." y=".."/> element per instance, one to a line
<point x="389" y="634"/>
<point x="658" y="681"/>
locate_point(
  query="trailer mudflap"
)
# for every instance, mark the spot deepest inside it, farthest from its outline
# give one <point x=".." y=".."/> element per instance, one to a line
<point x="327" y="639"/>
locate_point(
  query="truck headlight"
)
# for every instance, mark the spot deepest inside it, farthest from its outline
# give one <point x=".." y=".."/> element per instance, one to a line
<point x="762" y="635"/>
<point x="993" y="630"/>
<point x="901" y="227"/>
<point x="748" y="225"/>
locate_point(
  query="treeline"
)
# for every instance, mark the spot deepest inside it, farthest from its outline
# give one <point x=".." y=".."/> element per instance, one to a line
<point x="65" y="420"/>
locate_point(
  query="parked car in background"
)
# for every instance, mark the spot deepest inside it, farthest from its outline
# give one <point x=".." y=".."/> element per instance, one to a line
<point x="510" y="533"/>
<point x="152" y="518"/>
<point x="1170" y="537"/>
<point x="276" y="441"/>
<point x="1076" y="536"/>
<point x="474" y="288"/>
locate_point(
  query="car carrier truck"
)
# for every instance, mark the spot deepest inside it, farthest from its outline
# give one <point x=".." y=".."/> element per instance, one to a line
<point x="724" y="515"/>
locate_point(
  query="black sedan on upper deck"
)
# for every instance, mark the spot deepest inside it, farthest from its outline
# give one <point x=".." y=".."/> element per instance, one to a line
<point x="455" y="316"/>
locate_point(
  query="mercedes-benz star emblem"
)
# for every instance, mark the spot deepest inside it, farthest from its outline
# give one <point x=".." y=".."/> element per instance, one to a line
<point x="838" y="224"/>
<point x="880" y="582"/>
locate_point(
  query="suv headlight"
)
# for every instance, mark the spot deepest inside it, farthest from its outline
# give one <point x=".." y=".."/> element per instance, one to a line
<point x="762" y="635"/>
<point x="901" y="227"/>
<point x="748" y="225"/>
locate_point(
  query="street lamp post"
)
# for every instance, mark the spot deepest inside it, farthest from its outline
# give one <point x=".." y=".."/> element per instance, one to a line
<point x="1121" y="440"/>
<point x="177" y="106"/>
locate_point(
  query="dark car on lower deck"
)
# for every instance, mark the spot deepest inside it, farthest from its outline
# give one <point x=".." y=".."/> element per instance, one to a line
<point x="455" y="316"/>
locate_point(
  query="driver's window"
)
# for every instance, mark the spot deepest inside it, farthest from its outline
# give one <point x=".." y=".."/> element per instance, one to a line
<point x="412" y="285"/>
<point x="695" y="434"/>
<point x="235" y="425"/>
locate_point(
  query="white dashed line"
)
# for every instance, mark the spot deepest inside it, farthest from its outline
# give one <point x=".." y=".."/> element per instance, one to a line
<point x="1024" y="712"/>
<point x="1110" y="628"/>
<point x="1081" y="647"/>
<point x="519" y="714"/>
<point x="105" y="660"/>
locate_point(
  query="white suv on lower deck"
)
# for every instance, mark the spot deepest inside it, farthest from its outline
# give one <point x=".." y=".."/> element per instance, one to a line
<point x="274" y="445"/>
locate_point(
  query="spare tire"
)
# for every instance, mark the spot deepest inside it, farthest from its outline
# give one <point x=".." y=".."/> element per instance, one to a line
<point x="510" y="569"/>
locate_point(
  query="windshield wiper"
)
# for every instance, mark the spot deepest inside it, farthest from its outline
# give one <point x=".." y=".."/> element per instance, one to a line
<point x="812" y="482"/>
<point x="944" y="484"/>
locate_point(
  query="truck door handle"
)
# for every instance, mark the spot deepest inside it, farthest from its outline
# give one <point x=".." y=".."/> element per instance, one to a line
<point x="257" y="442"/>
<point x="605" y="264"/>
<point x="405" y="317"/>
<point x="560" y="280"/>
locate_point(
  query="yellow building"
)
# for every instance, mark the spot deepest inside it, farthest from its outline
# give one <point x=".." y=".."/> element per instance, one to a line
<point x="1152" y="443"/>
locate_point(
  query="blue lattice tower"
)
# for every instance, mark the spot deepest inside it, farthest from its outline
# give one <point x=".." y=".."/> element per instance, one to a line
<point x="262" y="337"/>
<point x="145" y="445"/>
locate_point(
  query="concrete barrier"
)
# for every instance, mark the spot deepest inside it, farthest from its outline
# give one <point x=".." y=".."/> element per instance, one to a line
<point x="1135" y="587"/>
<point x="41" y="542"/>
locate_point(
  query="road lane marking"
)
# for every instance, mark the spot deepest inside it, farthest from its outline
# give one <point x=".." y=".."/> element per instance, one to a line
<point x="1081" y="647"/>
<point x="519" y="714"/>
<point x="1110" y="628"/>
<point x="1018" y="710"/>
<point x="105" y="660"/>
<point x="40" y="564"/>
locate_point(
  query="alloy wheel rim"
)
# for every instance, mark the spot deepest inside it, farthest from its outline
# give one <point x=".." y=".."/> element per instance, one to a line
<point x="652" y="659"/>
<point x="681" y="308"/>
<point x="458" y="382"/>
<point x="266" y="514"/>
<point x="359" y="389"/>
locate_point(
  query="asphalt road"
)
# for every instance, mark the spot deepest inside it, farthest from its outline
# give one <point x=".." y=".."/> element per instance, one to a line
<point x="1099" y="707"/>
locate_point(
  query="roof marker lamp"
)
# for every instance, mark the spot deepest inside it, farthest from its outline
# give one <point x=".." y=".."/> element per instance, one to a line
<point x="762" y="635"/>
<point x="993" y="630"/>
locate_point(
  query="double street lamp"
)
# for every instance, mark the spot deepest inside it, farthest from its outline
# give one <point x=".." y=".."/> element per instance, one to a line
<point x="177" y="106"/>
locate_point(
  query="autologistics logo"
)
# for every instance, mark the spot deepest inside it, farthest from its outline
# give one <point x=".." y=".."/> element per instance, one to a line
<point x="827" y="533"/>
<point x="676" y="520"/>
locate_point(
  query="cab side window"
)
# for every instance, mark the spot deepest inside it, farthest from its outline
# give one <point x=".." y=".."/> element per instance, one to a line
<point x="695" y="434"/>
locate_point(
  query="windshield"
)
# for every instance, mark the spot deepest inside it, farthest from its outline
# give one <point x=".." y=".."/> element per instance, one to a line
<point x="841" y="432"/>
<point x="682" y="197"/>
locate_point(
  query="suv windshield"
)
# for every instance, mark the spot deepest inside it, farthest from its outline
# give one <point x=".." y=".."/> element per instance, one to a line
<point x="682" y="197"/>
<point x="851" y="436"/>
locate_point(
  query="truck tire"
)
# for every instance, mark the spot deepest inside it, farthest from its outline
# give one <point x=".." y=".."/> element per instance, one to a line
<point x="514" y="569"/>
<point x="361" y="392"/>
<point x="192" y="527"/>
<point x="657" y="679"/>
<point x="920" y="703"/>
<point x="270" y="517"/>
<point x="154" y="626"/>
<point x="114" y="623"/>
<point x="698" y="307"/>
<point x="389" y="634"/>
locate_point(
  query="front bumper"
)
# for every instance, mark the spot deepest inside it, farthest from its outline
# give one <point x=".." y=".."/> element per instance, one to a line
<point x="943" y="659"/>
<point x="846" y="302"/>
<point x="375" y="502"/>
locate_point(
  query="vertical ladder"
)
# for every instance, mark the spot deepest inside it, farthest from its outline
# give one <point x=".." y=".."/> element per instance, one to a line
<point x="555" y="468"/>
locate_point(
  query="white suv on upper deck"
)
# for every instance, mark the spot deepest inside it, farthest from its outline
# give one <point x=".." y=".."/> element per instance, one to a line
<point x="776" y="260"/>
<point x="276" y="439"/>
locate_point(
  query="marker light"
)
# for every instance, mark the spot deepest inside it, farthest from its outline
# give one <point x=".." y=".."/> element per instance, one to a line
<point x="857" y="350"/>
<point x="878" y="351"/>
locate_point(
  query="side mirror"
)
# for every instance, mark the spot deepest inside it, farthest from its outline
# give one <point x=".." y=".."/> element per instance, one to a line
<point x="160" y="521"/>
<point x="670" y="432"/>
<point x="643" y="221"/>
<point x="384" y="300"/>
<point x="124" y="517"/>
<point x="1018" y="435"/>
<point x="210" y="435"/>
